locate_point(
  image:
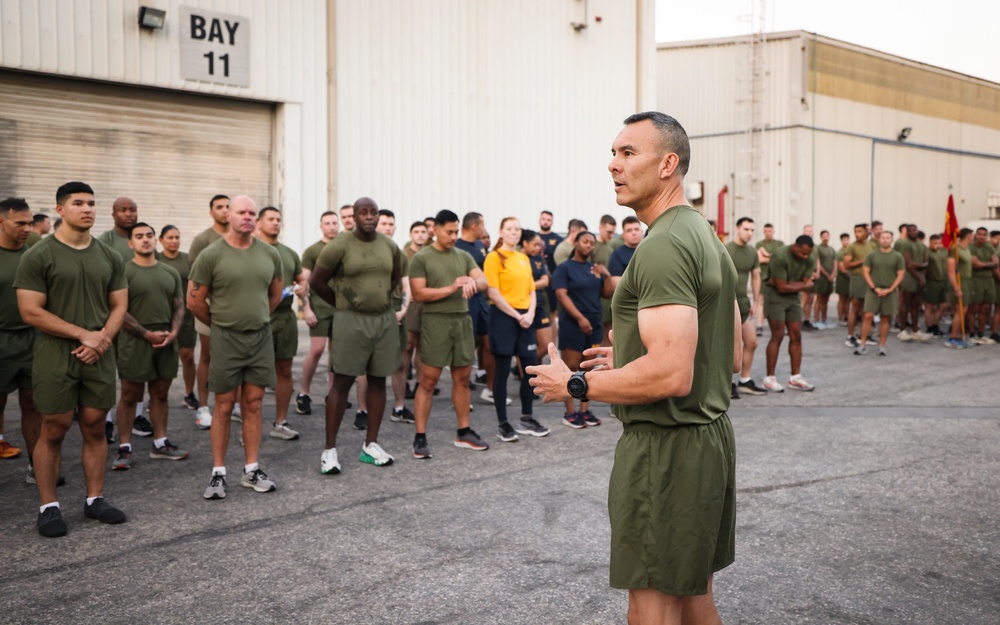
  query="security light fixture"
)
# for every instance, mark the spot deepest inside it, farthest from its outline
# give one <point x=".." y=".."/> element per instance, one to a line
<point x="904" y="133"/>
<point x="152" y="18"/>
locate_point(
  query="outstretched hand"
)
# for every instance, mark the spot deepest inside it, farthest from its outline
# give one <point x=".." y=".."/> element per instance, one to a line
<point x="550" y="380"/>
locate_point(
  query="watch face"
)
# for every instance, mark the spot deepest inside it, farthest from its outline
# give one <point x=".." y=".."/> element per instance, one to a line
<point x="576" y="387"/>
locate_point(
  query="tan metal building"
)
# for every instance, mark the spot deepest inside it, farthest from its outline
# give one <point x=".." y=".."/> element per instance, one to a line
<point x="811" y="130"/>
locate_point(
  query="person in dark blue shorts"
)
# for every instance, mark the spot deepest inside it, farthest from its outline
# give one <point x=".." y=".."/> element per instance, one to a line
<point x="533" y="246"/>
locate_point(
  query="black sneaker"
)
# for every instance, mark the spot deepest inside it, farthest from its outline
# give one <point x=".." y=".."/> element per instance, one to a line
<point x="191" y="402"/>
<point x="750" y="388"/>
<point x="50" y="523"/>
<point x="734" y="394"/>
<point x="303" y="404"/>
<point x="852" y="341"/>
<point x="590" y="418"/>
<point x="361" y="420"/>
<point x="109" y="431"/>
<point x="403" y="415"/>
<point x="103" y="512"/>
<point x="480" y="379"/>
<point x="142" y="426"/>
<point x="807" y="326"/>
<point x="506" y="433"/>
<point x="760" y="332"/>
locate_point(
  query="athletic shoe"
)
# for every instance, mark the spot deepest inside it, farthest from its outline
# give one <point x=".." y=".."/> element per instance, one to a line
<point x="109" y="431"/>
<point x="303" y="404"/>
<point x="861" y="350"/>
<point x="530" y="427"/>
<point x="506" y="433"/>
<point x="142" y="426"/>
<point x="734" y="394"/>
<point x="973" y="339"/>
<point x="986" y="340"/>
<point x="372" y="453"/>
<point x="996" y="337"/>
<point x="103" y="512"/>
<point x="216" y="488"/>
<point x="471" y="440"/>
<point x="421" y="450"/>
<point x="50" y="523"/>
<point x="750" y="388"/>
<point x="30" y="477"/>
<point x="574" y="420"/>
<point x="480" y="378"/>
<point x="871" y="340"/>
<point x="799" y="383"/>
<point x="922" y="336"/>
<point x="852" y="341"/>
<point x="589" y="418"/>
<point x="904" y="336"/>
<point x="882" y="351"/>
<point x="328" y="463"/>
<point x="282" y="431"/>
<point x="842" y="322"/>
<point x="895" y="329"/>
<point x="203" y="418"/>
<point x="8" y="451"/>
<point x="806" y="325"/>
<point x="403" y="415"/>
<point x="168" y="451"/>
<point x="771" y="385"/>
<point x="237" y="414"/>
<point x="487" y="396"/>
<point x="191" y="402"/>
<point x="123" y="461"/>
<point x="361" y="420"/>
<point x="760" y="332"/>
<point x="257" y="480"/>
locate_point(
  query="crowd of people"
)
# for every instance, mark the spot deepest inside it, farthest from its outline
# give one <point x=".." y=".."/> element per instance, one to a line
<point x="77" y="316"/>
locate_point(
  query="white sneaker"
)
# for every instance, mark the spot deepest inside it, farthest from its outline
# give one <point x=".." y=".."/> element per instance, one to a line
<point x="203" y="418"/>
<point x="236" y="416"/>
<point x="487" y="396"/>
<point x="920" y="335"/>
<point x="328" y="464"/>
<point x="905" y="336"/>
<point x="985" y="340"/>
<point x="372" y="453"/>
<point x="771" y="384"/>
<point x="799" y="383"/>
<point x="282" y="431"/>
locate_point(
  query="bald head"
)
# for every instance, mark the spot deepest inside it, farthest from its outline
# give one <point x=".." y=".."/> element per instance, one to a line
<point x="366" y="215"/>
<point x="243" y="214"/>
<point x="124" y="213"/>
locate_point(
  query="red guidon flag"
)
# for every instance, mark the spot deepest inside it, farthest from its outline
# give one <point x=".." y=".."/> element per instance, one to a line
<point x="950" y="234"/>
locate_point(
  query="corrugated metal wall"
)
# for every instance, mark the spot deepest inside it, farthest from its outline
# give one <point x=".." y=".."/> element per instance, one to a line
<point x="495" y="106"/>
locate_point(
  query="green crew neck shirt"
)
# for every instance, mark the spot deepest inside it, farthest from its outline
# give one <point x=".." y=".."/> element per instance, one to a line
<point x="441" y="269"/>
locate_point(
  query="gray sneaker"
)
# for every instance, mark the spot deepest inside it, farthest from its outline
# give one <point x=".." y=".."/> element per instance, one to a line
<point x="282" y="431"/>
<point x="168" y="451"/>
<point x="506" y="433"/>
<point x="123" y="461"/>
<point x="531" y="427"/>
<point x="216" y="488"/>
<point x="471" y="440"/>
<point x="258" y="481"/>
<point x="421" y="449"/>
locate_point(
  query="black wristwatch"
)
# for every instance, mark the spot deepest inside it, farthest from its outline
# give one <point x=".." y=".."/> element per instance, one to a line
<point x="577" y="386"/>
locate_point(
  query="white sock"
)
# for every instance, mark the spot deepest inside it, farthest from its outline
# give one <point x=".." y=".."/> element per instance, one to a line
<point x="91" y="500"/>
<point x="219" y="471"/>
<point x="54" y="504"/>
<point x="127" y="446"/>
<point x="110" y="417"/>
<point x="249" y="468"/>
<point x="796" y="376"/>
<point x="159" y="441"/>
<point x="138" y="408"/>
<point x="744" y="380"/>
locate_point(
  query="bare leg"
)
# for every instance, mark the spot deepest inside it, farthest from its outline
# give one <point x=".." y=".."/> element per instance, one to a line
<point x="774" y="345"/>
<point x="399" y="388"/>
<point x="795" y="345"/>
<point x="220" y="426"/>
<point x="204" y="358"/>
<point x="749" y="347"/>
<point x="883" y="331"/>
<point x="31" y="420"/>
<point x="131" y="395"/>
<point x="362" y="393"/>
<point x="188" y="368"/>
<point x="47" y="456"/>
<point x="543" y="336"/>
<point x="250" y="402"/>
<point x="158" y="410"/>
<point x="317" y="345"/>
<point x="282" y="388"/>
<point x="375" y="400"/>
<point x="866" y="326"/>
<point x="95" y="449"/>
<point x="459" y="394"/>
<point x="428" y="379"/>
<point x="336" y="404"/>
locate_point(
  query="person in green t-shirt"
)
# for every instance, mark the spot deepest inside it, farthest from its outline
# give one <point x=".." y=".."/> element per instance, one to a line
<point x="444" y="278"/>
<point x="911" y="289"/>
<point x="995" y="323"/>
<point x="218" y="210"/>
<point x="284" y="321"/>
<point x="792" y="270"/>
<point x="936" y="289"/>
<point x="173" y="257"/>
<point x="671" y="494"/>
<point x="602" y="256"/>
<point x="765" y="248"/>
<point x="808" y="298"/>
<point x="125" y="214"/>
<point x="960" y="289"/>
<point x="71" y="288"/>
<point x="825" y="280"/>
<point x="842" y="285"/>
<point x="415" y="311"/>
<point x="984" y="265"/>
<point x="747" y="264"/>
<point x="317" y="313"/>
<point x="17" y="339"/>
<point x="356" y="274"/>
<point x="40" y="227"/>
<point x="148" y="349"/>
<point x="401" y="301"/>
<point x="854" y="258"/>
<point x="234" y="286"/>
<point x="883" y="272"/>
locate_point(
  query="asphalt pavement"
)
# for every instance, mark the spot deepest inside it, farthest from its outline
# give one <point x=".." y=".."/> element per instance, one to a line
<point x="874" y="499"/>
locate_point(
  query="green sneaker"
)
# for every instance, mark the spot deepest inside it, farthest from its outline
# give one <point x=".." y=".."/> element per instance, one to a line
<point x="372" y="453"/>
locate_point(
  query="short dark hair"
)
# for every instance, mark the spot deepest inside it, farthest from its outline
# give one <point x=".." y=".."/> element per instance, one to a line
<point x="876" y="222"/>
<point x="445" y="216"/>
<point x="141" y="224"/>
<point x="216" y="198"/>
<point x="964" y="232"/>
<point x="822" y="232"/>
<point x="865" y="226"/>
<point x="935" y="237"/>
<point x="470" y="220"/>
<point x="995" y="233"/>
<point x="385" y="212"/>
<point x="576" y="223"/>
<point x="673" y="137"/>
<point x="844" y="234"/>
<point x="56" y="223"/>
<point x="68" y="189"/>
<point x="903" y="226"/>
<point x="346" y="206"/>
<point x="805" y="239"/>
<point x="167" y="228"/>
<point x="14" y="204"/>
<point x="266" y="210"/>
<point x="547" y="212"/>
<point x="38" y="218"/>
<point x="527" y="236"/>
<point x="743" y="220"/>
<point x="417" y="224"/>
<point x="920" y="234"/>
<point x="327" y="213"/>
<point x="631" y="219"/>
<point x="608" y="219"/>
<point x="769" y="226"/>
<point x="981" y="228"/>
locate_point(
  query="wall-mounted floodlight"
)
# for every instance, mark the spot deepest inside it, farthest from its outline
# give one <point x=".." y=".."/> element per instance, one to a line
<point x="152" y="18"/>
<point x="904" y="133"/>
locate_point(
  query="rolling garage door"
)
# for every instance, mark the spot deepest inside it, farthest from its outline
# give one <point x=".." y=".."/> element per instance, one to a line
<point x="168" y="151"/>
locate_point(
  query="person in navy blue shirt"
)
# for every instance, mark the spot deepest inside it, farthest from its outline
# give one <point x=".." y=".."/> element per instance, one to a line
<point x="631" y="235"/>
<point x="579" y="286"/>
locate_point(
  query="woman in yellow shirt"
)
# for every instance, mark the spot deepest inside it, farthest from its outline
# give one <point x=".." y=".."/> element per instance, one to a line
<point x="511" y="328"/>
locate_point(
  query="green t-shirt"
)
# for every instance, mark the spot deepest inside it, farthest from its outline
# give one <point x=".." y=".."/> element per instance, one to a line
<point x="602" y="256"/>
<point x="616" y="242"/>
<point x="10" y="315"/>
<point x="397" y="293"/>
<point x="964" y="266"/>
<point x="785" y="265"/>
<point x="680" y="262"/>
<point x="985" y="254"/>
<point x="920" y="252"/>
<point x="182" y="265"/>
<point x="362" y="271"/>
<point x="937" y="265"/>
<point x="745" y="260"/>
<point x="441" y="269"/>
<point x="857" y="251"/>
<point x="563" y="251"/>
<point x="118" y="243"/>
<point x="771" y="247"/>
<point x="827" y="257"/>
<point x="320" y="308"/>
<point x="884" y="266"/>
<point x="839" y="258"/>
<point x="237" y="281"/>
<point x="200" y="242"/>
<point x="291" y="266"/>
<point x="151" y="292"/>
<point x="76" y="283"/>
<point x="33" y="237"/>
